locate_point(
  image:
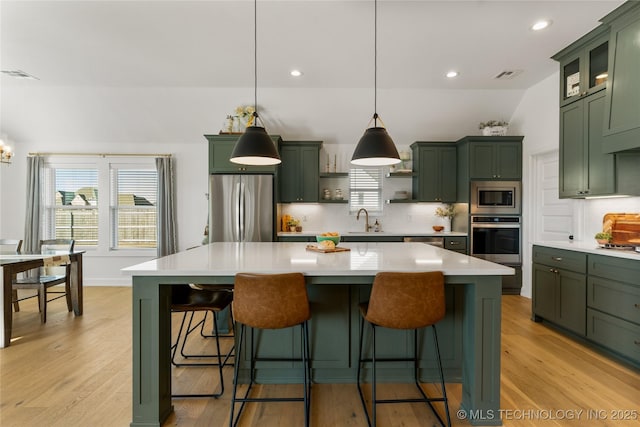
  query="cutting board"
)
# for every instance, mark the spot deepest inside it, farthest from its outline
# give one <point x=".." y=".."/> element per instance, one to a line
<point x="624" y="228"/>
<point x="314" y="248"/>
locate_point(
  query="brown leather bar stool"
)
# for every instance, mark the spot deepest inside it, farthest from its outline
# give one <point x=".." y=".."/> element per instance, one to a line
<point x="188" y="299"/>
<point x="270" y="301"/>
<point x="404" y="301"/>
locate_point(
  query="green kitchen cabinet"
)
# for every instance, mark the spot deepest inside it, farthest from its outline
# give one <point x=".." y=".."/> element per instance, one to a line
<point x="299" y="171"/>
<point x="290" y="238"/>
<point x="583" y="66"/>
<point x="488" y="158"/>
<point x="622" y="105"/>
<point x="220" y="149"/>
<point x="496" y="160"/>
<point x="559" y="288"/>
<point x="595" y="296"/>
<point x="456" y="244"/>
<point x="434" y="177"/>
<point x="370" y="238"/>
<point x="613" y="305"/>
<point x="584" y="169"/>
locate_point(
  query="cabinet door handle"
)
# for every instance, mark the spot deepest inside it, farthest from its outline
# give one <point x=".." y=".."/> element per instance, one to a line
<point x="457" y="243"/>
<point x="636" y="342"/>
<point x="636" y="305"/>
<point x="556" y="258"/>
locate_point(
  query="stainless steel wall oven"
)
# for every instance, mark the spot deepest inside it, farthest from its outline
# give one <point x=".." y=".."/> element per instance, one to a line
<point x="497" y="238"/>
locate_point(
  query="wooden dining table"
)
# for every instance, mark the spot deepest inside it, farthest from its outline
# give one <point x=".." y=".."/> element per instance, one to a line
<point x="12" y="263"/>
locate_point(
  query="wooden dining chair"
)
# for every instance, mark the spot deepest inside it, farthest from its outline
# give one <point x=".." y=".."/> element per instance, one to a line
<point x="56" y="271"/>
<point x="12" y="246"/>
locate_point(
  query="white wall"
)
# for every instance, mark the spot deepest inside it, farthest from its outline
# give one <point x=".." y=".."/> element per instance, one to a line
<point x="536" y="117"/>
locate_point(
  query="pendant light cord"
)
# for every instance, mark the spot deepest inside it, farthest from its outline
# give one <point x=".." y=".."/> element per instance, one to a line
<point x="375" y="63"/>
<point x="255" y="62"/>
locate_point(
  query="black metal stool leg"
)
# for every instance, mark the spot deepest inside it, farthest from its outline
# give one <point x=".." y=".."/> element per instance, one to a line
<point x="444" y="390"/>
<point x="358" y="378"/>
<point x="373" y="381"/>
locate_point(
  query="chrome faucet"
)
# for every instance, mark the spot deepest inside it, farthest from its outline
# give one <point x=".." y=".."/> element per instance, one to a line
<point x="367" y="227"/>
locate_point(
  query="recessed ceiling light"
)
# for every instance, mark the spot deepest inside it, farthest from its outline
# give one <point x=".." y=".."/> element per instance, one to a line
<point x="541" y="25"/>
<point x="451" y="74"/>
<point x="296" y="73"/>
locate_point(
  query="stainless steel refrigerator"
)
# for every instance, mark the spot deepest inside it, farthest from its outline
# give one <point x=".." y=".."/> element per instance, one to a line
<point x="241" y="208"/>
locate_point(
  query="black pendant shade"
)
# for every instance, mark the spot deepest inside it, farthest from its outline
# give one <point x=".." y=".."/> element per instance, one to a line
<point x="255" y="147"/>
<point x="375" y="148"/>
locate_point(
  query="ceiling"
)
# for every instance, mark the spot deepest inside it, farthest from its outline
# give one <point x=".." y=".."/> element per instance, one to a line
<point x="210" y="43"/>
<point x="166" y="71"/>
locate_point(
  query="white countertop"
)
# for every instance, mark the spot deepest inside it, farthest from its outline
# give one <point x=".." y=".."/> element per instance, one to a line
<point x="313" y="233"/>
<point x="228" y="258"/>
<point x="591" y="247"/>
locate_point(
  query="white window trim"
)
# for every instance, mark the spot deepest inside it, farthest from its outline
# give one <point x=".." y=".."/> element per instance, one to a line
<point x="103" y="165"/>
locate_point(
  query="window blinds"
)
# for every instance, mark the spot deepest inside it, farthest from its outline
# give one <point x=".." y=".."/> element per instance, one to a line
<point x="365" y="186"/>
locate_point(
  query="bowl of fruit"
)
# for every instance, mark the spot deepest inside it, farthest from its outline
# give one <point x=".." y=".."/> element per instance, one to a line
<point x="329" y="236"/>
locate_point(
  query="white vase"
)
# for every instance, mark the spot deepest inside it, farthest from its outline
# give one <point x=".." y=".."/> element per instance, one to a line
<point x="238" y="125"/>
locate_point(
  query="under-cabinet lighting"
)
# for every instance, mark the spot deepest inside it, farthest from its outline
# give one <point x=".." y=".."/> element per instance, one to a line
<point x="612" y="196"/>
<point x="296" y="73"/>
<point x="451" y="74"/>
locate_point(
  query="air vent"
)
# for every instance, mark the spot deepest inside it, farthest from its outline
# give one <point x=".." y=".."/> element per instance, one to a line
<point x="508" y="74"/>
<point x="19" y="74"/>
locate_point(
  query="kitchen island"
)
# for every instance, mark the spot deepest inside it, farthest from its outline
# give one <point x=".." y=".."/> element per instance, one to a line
<point x="337" y="282"/>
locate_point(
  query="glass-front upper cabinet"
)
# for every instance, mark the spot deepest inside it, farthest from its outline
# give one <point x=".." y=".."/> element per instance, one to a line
<point x="584" y="66"/>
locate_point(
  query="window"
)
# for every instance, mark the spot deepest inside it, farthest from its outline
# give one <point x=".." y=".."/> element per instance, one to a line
<point x="72" y="205"/>
<point x="365" y="190"/>
<point x="101" y="204"/>
<point x="133" y="208"/>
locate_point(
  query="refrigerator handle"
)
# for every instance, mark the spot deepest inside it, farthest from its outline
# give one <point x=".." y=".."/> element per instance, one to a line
<point x="241" y="211"/>
<point x="236" y="217"/>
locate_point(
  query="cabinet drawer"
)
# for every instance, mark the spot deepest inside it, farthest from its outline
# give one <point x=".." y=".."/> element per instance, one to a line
<point x="560" y="258"/>
<point x="617" y="335"/>
<point x="456" y="243"/>
<point x="620" y="269"/>
<point x="618" y="299"/>
<point x="296" y="239"/>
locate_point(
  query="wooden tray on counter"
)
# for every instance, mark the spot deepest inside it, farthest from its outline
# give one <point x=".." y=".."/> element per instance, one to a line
<point x="624" y="228"/>
<point x="314" y="248"/>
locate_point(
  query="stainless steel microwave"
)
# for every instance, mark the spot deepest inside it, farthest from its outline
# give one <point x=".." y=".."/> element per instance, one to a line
<point x="496" y="197"/>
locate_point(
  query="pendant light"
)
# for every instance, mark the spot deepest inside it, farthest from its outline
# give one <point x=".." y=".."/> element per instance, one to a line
<point x="375" y="148"/>
<point x="255" y="146"/>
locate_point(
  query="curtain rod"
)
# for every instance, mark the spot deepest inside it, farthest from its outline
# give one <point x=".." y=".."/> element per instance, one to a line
<point x="99" y="154"/>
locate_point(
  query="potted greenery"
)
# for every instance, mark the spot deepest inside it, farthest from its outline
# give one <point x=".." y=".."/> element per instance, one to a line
<point x="448" y="212"/>
<point x="293" y="224"/>
<point x="603" y="237"/>
<point x="494" y="128"/>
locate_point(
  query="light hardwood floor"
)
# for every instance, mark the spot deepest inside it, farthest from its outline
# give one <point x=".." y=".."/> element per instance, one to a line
<point x="77" y="372"/>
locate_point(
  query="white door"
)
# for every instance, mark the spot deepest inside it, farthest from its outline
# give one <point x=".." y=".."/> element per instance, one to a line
<point x="553" y="217"/>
